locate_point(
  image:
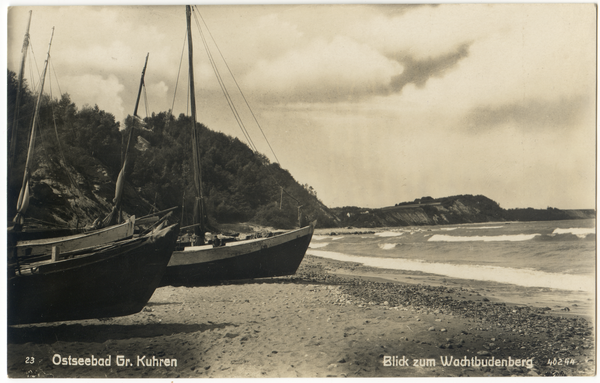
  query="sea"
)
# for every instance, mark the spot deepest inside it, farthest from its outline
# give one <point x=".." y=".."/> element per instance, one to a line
<point x="539" y="263"/>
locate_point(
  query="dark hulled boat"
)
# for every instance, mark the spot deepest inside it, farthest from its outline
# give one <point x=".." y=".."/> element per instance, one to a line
<point x="255" y="258"/>
<point x="101" y="273"/>
<point x="259" y="258"/>
<point x="114" y="279"/>
<point x="26" y="242"/>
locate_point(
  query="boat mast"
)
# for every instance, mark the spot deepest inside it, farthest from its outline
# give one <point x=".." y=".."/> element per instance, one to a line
<point x="23" y="201"/>
<point x="13" y="133"/>
<point x="109" y="220"/>
<point x="137" y="103"/>
<point x="199" y="202"/>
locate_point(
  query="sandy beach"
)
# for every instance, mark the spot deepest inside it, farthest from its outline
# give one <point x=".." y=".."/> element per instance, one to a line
<point x="331" y="319"/>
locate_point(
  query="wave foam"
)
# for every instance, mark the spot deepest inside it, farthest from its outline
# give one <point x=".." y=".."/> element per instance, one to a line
<point x="580" y="232"/>
<point x="493" y="238"/>
<point x="486" y="227"/>
<point x="317" y="245"/>
<point x="387" y="246"/>
<point x="388" y="234"/>
<point x="521" y="277"/>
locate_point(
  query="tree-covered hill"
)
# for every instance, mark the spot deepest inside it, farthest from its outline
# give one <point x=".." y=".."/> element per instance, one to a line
<point x="78" y="155"/>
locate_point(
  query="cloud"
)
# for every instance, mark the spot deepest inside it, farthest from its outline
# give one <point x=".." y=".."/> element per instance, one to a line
<point x="418" y="71"/>
<point x="500" y="52"/>
<point x="346" y="67"/>
<point x="97" y="90"/>
<point x="392" y="10"/>
<point x="337" y="70"/>
<point x="267" y="44"/>
<point x="528" y="115"/>
<point x="424" y="32"/>
<point x="158" y="92"/>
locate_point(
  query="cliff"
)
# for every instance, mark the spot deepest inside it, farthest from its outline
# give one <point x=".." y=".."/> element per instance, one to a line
<point x="450" y="210"/>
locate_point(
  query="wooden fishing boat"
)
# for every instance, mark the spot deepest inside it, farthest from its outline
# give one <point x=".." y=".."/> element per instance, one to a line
<point x="114" y="279"/>
<point x="103" y="273"/>
<point x="258" y="258"/>
<point x="24" y="244"/>
<point x="275" y="256"/>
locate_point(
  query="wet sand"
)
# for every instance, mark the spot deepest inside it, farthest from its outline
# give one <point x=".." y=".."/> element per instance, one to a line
<point x="330" y="319"/>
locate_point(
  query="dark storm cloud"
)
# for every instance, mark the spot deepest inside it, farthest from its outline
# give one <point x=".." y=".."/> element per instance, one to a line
<point x="419" y="71"/>
<point x="533" y="114"/>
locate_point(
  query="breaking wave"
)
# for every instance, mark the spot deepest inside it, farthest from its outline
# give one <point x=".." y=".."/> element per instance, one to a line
<point x="485" y="227"/>
<point x="389" y="234"/>
<point x="521" y="277"/>
<point x="489" y="238"/>
<point x="580" y="232"/>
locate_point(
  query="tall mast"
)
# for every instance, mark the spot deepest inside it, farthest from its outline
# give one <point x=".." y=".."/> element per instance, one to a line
<point x="13" y="133"/>
<point x="23" y="201"/>
<point x="199" y="202"/>
<point x="137" y="103"/>
<point x="110" y="218"/>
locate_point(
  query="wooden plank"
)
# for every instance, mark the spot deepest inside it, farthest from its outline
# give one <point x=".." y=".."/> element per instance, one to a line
<point x="55" y="253"/>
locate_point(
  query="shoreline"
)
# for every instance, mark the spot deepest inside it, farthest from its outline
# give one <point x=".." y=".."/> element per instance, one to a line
<point x="317" y="323"/>
<point x="573" y="303"/>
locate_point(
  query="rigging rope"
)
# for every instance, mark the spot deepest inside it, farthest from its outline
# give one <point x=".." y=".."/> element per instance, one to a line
<point x="239" y="89"/>
<point x="227" y="97"/>
<point x="54" y="224"/>
<point x="60" y="150"/>
<point x="224" y="88"/>
<point x="177" y="81"/>
<point x="230" y="101"/>
<point x="31" y="67"/>
<point x="56" y="77"/>
<point x="145" y="99"/>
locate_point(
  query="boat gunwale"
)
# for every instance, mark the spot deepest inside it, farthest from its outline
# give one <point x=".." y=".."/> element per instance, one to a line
<point x="82" y="256"/>
<point x="234" y="244"/>
<point x="51" y="241"/>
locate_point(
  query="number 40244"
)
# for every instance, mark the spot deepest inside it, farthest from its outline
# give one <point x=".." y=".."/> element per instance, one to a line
<point x="561" y="362"/>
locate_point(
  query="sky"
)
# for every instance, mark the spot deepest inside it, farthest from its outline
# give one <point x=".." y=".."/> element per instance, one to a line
<point x="371" y="105"/>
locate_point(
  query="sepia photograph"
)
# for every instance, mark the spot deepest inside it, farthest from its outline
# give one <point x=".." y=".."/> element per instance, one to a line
<point x="300" y="190"/>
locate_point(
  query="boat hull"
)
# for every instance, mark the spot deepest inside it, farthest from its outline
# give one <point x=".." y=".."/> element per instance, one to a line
<point x="68" y="243"/>
<point x="113" y="280"/>
<point x="260" y="258"/>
